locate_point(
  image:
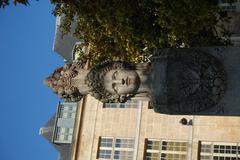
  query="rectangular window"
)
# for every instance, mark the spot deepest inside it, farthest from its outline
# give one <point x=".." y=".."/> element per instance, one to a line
<point x="128" y="104"/>
<point x="219" y="151"/>
<point x="65" y="116"/>
<point x="106" y="142"/>
<point x="116" y="148"/>
<point x="165" y="150"/>
<point x="230" y="7"/>
<point x="226" y="1"/>
<point x="63" y="134"/>
<point x="66" y="110"/>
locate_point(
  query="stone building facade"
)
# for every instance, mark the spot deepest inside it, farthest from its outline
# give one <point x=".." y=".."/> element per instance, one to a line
<point x="133" y="131"/>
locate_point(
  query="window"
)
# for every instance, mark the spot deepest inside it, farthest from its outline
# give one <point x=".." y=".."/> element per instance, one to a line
<point x="230" y="7"/>
<point x="106" y="145"/>
<point x="116" y="148"/>
<point x="65" y="119"/>
<point x="225" y="1"/>
<point x="128" y="104"/>
<point x="64" y="134"/>
<point x="219" y="151"/>
<point x="67" y="111"/>
<point x="165" y="150"/>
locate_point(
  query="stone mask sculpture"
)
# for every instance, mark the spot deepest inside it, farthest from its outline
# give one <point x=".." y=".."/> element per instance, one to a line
<point x="176" y="81"/>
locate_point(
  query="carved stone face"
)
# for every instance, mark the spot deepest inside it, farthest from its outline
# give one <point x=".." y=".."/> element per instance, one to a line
<point x="121" y="81"/>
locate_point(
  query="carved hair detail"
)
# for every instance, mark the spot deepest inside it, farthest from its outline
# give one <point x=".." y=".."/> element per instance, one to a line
<point x="95" y="81"/>
<point x="60" y="81"/>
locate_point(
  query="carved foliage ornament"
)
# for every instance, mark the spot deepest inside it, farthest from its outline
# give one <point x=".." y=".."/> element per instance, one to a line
<point x="60" y="82"/>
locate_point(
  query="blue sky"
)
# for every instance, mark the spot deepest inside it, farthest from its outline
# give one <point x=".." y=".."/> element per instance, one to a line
<point x="26" y="40"/>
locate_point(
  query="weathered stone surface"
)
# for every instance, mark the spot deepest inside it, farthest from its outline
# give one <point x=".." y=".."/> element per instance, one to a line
<point x="230" y="58"/>
<point x="196" y="81"/>
<point x="193" y="81"/>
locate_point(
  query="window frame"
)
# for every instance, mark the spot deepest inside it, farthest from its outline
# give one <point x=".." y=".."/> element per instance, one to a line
<point x="128" y="104"/>
<point x="218" y="150"/>
<point x="69" y="108"/>
<point x="158" y="151"/>
<point x="129" y="150"/>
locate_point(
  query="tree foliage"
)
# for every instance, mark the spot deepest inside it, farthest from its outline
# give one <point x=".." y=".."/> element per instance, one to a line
<point x="130" y="30"/>
<point x="4" y="3"/>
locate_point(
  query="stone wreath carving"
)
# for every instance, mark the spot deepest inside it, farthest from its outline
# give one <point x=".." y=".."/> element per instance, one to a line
<point x="195" y="81"/>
